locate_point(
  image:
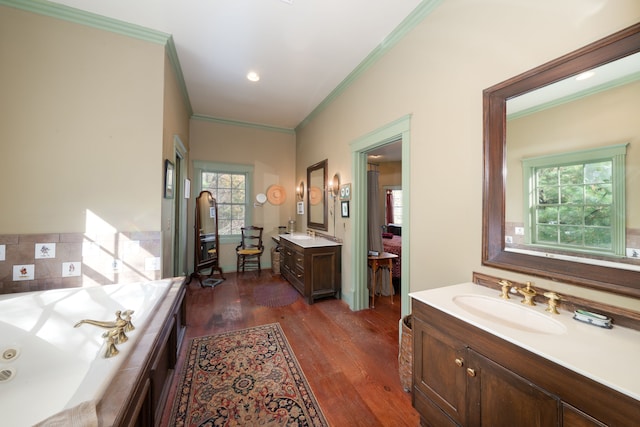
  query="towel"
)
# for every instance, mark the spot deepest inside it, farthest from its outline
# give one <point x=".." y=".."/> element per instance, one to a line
<point x="83" y="415"/>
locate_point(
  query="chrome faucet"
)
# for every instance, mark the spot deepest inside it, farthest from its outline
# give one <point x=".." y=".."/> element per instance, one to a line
<point x="116" y="330"/>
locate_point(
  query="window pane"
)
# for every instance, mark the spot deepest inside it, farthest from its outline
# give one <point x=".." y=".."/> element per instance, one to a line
<point x="572" y="215"/>
<point x="548" y="195"/>
<point x="548" y="233"/>
<point x="595" y="173"/>
<point x="597" y="237"/>
<point x="572" y="194"/>
<point x="547" y="176"/>
<point x="571" y="175"/>
<point x="599" y="194"/>
<point x="597" y="215"/>
<point x="547" y="215"/>
<point x="571" y="235"/>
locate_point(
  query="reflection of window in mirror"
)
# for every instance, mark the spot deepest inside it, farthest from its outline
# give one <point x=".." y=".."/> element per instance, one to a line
<point x="576" y="200"/>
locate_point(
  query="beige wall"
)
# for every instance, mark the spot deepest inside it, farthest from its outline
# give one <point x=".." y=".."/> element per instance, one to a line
<point x="81" y="120"/>
<point x="175" y="124"/>
<point x="437" y="73"/>
<point x="87" y="118"/>
<point x="272" y="155"/>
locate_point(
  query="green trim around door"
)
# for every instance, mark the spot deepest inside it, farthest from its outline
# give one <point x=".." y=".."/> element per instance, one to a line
<point x="394" y="131"/>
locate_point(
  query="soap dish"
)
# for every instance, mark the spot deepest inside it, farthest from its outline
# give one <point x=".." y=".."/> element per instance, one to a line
<point x="593" y="318"/>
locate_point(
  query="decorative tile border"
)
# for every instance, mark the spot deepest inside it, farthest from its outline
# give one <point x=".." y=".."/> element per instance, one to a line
<point x="34" y="262"/>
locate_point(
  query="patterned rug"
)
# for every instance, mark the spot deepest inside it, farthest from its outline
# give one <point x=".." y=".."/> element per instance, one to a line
<point x="276" y="294"/>
<point x="244" y="378"/>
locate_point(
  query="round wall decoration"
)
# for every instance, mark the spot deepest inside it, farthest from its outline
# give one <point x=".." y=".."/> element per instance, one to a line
<point x="276" y="194"/>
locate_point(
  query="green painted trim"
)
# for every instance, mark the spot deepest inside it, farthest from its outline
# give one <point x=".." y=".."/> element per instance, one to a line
<point x="398" y="129"/>
<point x="576" y="96"/>
<point x="239" y="123"/>
<point x="408" y="24"/>
<point x="78" y="16"/>
<point x="172" y="53"/>
<point x="89" y="19"/>
<point x="615" y="153"/>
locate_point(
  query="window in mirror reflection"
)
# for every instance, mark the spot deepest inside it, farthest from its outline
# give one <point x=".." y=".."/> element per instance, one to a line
<point x="393" y="206"/>
<point x="576" y="200"/>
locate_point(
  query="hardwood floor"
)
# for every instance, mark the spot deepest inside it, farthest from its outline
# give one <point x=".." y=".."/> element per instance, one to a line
<point x="349" y="358"/>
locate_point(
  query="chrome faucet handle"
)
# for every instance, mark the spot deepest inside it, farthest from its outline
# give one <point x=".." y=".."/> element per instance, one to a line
<point x="506" y="287"/>
<point x="529" y="294"/>
<point x="552" y="303"/>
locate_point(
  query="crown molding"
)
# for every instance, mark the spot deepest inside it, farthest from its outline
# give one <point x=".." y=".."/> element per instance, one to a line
<point x="93" y="20"/>
<point x="408" y="24"/>
<point x="239" y="123"/>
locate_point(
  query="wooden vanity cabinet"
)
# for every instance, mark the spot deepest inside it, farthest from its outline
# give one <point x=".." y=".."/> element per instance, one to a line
<point x="314" y="271"/>
<point x="464" y="376"/>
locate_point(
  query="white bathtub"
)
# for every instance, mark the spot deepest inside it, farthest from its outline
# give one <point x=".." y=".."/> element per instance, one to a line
<point x="59" y="366"/>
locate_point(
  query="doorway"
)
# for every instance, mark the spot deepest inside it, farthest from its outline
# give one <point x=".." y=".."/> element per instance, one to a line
<point x="395" y="132"/>
<point x="179" y="244"/>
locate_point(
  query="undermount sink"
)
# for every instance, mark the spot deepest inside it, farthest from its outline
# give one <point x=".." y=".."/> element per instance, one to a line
<point x="300" y="236"/>
<point x="520" y="317"/>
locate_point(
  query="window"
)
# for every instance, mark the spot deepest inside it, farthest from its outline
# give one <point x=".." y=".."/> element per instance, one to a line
<point x="576" y="200"/>
<point x="230" y="186"/>
<point x="393" y="205"/>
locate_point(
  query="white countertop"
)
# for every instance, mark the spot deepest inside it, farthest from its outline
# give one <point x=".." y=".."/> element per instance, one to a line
<point x="608" y="356"/>
<point x="306" y="241"/>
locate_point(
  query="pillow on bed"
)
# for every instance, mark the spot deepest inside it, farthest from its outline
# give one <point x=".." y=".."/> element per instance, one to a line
<point x="387" y="235"/>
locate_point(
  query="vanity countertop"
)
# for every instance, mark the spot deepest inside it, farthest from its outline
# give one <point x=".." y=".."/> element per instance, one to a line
<point x="306" y="241"/>
<point x="608" y="356"/>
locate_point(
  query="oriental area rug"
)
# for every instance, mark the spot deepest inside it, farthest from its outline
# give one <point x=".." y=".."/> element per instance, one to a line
<point x="248" y="377"/>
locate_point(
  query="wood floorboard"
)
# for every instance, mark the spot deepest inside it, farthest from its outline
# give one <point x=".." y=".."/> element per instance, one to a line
<point x="349" y="358"/>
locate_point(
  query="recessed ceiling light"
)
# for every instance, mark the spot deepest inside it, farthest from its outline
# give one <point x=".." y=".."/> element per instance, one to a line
<point x="253" y="76"/>
<point x="585" y="75"/>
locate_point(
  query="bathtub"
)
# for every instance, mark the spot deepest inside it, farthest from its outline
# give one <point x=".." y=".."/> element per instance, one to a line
<point x="47" y="365"/>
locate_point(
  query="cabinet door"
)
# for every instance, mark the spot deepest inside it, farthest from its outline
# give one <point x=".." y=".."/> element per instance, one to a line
<point x="500" y="398"/>
<point x="439" y="373"/>
<point x="572" y="417"/>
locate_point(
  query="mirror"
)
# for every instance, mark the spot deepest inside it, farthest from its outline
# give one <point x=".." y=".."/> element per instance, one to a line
<point x="317" y="196"/>
<point x="504" y="190"/>
<point x="207" y="250"/>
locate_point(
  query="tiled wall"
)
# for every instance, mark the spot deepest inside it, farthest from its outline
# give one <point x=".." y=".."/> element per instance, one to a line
<point x="35" y="262"/>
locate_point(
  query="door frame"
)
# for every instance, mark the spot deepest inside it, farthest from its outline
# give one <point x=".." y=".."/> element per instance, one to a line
<point x="397" y="130"/>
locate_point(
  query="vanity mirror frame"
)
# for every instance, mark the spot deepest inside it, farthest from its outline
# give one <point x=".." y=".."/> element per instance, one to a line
<point x="610" y="279"/>
<point x="320" y="167"/>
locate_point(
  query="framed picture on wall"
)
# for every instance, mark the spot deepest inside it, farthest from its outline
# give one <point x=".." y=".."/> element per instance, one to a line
<point x="168" y="179"/>
<point x="345" y="209"/>
<point x="345" y="192"/>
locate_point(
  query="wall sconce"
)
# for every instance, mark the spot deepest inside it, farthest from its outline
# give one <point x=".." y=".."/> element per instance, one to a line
<point x="334" y="185"/>
<point x="300" y="191"/>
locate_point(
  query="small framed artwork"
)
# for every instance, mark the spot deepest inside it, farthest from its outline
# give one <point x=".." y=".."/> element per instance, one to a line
<point x="168" y="179"/>
<point x="345" y="192"/>
<point x="345" y="209"/>
<point x="300" y="206"/>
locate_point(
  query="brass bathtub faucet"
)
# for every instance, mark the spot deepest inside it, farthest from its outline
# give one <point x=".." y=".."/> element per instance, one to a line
<point x="116" y="330"/>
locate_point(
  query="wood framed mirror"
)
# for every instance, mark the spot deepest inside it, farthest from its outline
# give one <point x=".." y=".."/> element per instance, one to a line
<point x="317" y="196"/>
<point x="612" y="275"/>
<point x="207" y="243"/>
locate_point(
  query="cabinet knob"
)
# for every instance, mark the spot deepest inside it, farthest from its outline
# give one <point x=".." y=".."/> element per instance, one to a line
<point x="471" y="372"/>
<point x="459" y="362"/>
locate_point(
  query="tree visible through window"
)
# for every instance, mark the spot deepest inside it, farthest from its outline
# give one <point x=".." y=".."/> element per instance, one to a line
<point x="576" y="200"/>
<point x="230" y="191"/>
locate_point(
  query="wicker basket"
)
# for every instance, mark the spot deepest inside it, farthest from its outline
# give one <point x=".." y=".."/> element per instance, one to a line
<point x="405" y="355"/>
<point x="275" y="260"/>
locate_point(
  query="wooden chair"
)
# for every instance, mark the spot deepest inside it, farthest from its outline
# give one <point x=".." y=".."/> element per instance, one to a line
<point x="250" y="248"/>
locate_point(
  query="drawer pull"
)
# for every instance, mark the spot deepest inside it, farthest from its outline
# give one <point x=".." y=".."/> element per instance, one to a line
<point x="471" y="372"/>
<point x="459" y="362"/>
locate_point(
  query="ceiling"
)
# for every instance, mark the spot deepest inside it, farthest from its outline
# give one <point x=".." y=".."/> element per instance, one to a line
<point x="302" y="49"/>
